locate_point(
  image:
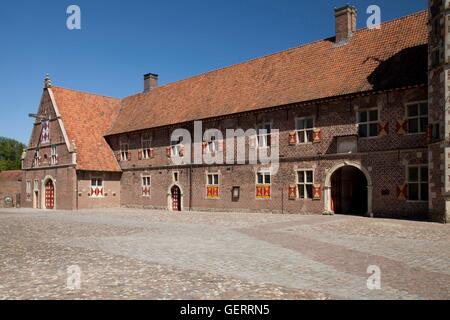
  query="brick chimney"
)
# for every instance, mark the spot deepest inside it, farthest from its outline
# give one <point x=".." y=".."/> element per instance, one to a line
<point x="150" y="81"/>
<point x="345" y="23"/>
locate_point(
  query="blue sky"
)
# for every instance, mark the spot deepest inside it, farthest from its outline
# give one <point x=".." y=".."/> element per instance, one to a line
<point x="121" y="40"/>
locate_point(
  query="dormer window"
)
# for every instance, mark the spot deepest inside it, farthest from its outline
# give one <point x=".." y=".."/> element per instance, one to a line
<point x="124" y="150"/>
<point x="176" y="146"/>
<point x="264" y="134"/>
<point x="146" y="141"/>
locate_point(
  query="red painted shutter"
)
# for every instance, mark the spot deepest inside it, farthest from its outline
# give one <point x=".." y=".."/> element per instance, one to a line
<point x="317" y="191"/>
<point x="169" y="152"/>
<point x="317" y="135"/>
<point x="292" y="138"/>
<point x="292" y="192"/>
<point x="140" y="152"/>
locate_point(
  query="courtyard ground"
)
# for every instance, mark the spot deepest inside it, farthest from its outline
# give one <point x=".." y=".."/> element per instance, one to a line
<point x="137" y="254"/>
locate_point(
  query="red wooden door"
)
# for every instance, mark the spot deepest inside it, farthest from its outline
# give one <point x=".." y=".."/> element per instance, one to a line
<point x="176" y="203"/>
<point x="49" y="195"/>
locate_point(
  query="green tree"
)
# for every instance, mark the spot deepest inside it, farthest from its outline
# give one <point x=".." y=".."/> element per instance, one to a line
<point x="10" y="153"/>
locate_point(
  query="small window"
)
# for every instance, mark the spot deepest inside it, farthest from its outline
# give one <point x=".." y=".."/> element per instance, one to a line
<point x="305" y="184"/>
<point x="263" y="185"/>
<point x="368" y="123"/>
<point x="417" y="115"/>
<point x="54" y="156"/>
<point x="37" y="158"/>
<point x="264" y="132"/>
<point x="97" y="187"/>
<point x="146" y="141"/>
<point x="213" y="144"/>
<point x="36" y="185"/>
<point x="212" y="187"/>
<point x="176" y="146"/>
<point x="305" y="130"/>
<point x="146" y="185"/>
<point x="28" y="187"/>
<point x="418" y="183"/>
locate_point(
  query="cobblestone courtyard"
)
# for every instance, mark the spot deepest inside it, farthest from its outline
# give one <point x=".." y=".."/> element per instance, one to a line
<point x="158" y="255"/>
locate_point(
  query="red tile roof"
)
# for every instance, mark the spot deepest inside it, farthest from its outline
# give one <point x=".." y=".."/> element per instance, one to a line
<point x="86" y="118"/>
<point x="394" y="56"/>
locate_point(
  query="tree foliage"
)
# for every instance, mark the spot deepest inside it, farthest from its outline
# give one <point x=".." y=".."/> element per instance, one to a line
<point x="10" y="153"/>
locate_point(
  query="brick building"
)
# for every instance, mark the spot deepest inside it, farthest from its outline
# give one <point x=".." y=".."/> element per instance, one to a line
<point x="362" y="120"/>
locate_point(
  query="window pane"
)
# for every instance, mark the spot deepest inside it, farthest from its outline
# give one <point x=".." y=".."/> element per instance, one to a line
<point x="424" y="174"/>
<point x="373" y="129"/>
<point x="424" y="192"/>
<point x="300" y="124"/>
<point x="309" y="176"/>
<point x="260" y="178"/>
<point x="210" y="179"/>
<point x="309" y="123"/>
<point x="373" y="115"/>
<point x="423" y="124"/>
<point x="301" y="176"/>
<point x="413" y="110"/>
<point x="424" y="109"/>
<point x="413" y="126"/>
<point x="267" y="179"/>
<point x="309" y="136"/>
<point x="363" y="130"/>
<point x="309" y="191"/>
<point x="413" y="175"/>
<point x="413" y="191"/>
<point x="362" y="116"/>
<point x="301" y="190"/>
<point x="216" y="179"/>
<point x="302" y="136"/>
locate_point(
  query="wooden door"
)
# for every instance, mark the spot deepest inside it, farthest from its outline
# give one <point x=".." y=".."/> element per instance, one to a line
<point x="49" y="195"/>
<point x="176" y="199"/>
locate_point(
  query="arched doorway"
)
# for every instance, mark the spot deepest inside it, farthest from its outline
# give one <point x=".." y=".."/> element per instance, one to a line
<point x="349" y="191"/>
<point x="175" y="194"/>
<point x="353" y="174"/>
<point x="49" y="195"/>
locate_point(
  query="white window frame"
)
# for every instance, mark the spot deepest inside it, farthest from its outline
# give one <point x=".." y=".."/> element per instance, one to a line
<point x="37" y="158"/>
<point x="176" y="147"/>
<point x="144" y="180"/>
<point x="419" y="182"/>
<point x="213" y="144"/>
<point x="124" y="149"/>
<point x="417" y="118"/>
<point x="304" y="132"/>
<point x="305" y="184"/>
<point x="263" y="140"/>
<point x="54" y="156"/>
<point x="368" y="122"/>
<point x="146" y="144"/>
<point x="264" y="174"/>
<point x="28" y="189"/>
<point x="97" y="186"/>
<point x="213" y="184"/>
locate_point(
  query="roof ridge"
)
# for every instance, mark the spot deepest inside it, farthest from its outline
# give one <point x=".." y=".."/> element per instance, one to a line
<point x="86" y="92"/>
<point x="268" y="55"/>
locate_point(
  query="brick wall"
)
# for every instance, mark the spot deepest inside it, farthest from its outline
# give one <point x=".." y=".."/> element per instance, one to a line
<point x="10" y="187"/>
